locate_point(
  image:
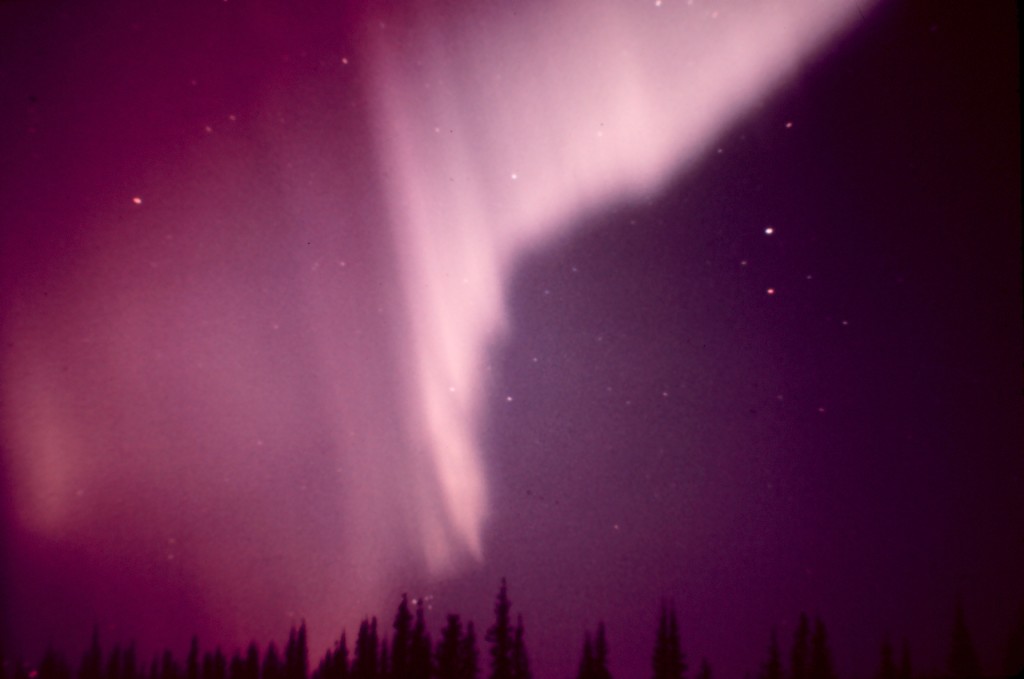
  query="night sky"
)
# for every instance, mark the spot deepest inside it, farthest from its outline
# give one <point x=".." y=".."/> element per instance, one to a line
<point x="304" y="307"/>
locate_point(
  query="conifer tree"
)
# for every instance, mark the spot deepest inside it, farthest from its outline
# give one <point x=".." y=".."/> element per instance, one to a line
<point x="772" y="668"/>
<point x="905" y="670"/>
<point x="383" y="669"/>
<point x="586" y="670"/>
<point x="169" y="667"/>
<point x="129" y="668"/>
<point x="419" y="648"/>
<point x="469" y="655"/>
<point x="53" y="666"/>
<point x="339" y="658"/>
<point x="601" y="654"/>
<point x="364" y="664"/>
<point x="669" y="661"/>
<point x="1014" y="662"/>
<point x="594" y="660"/>
<point x="963" y="660"/>
<point x="324" y="669"/>
<point x="801" y="649"/>
<point x="821" y="656"/>
<point x="500" y="636"/>
<point x="252" y="661"/>
<point x="296" y="654"/>
<point x="677" y="659"/>
<point x="114" y="663"/>
<point x="887" y="663"/>
<point x="520" y="659"/>
<point x="192" y="664"/>
<point x="302" y="653"/>
<point x="401" y="643"/>
<point x="271" y="663"/>
<point x="448" y="653"/>
<point x="236" y="666"/>
<point x="92" y="659"/>
<point x="215" y="665"/>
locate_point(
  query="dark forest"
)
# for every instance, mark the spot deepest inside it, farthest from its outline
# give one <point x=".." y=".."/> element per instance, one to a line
<point x="408" y="650"/>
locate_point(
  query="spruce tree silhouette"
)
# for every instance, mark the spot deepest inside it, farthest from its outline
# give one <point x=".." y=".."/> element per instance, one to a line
<point x="419" y="648"/>
<point x="364" y="664"/>
<point x="114" y="663"/>
<point x="192" y="664"/>
<point x="383" y="668"/>
<point x="92" y="659"/>
<point x="586" y="670"/>
<point x="906" y="670"/>
<point x="169" y="667"/>
<point x="129" y="664"/>
<point x="447" y="656"/>
<point x="772" y="668"/>
<point x="53" y="666"/>
<point x="601" y="654"/>
<point x="499" y="636"/>
<point x="594" y="660"/>
<point x="272" y="668"/>
<point x="341" y="661"/>
<point x="469" y="654"/>
<point x="520" y="659"/>
<point x="334" y="664"/>
<point x="887" y="663"/>
<point x="214" y="665"/>
<point x="801" y="649"/>
<point x="401" y="642"/>
<point x="296" y="654"/>
<point x="821" y="656"/>
<point x="669" y="662"/>
<point x="251" y="669"/>
<point x="236" y="666"/>
<point x="963" y="660"/>
<point x="1014" y="663"/>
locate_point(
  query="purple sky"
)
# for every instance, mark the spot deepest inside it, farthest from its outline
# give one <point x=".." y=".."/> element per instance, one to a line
<point x="306" y="308"/>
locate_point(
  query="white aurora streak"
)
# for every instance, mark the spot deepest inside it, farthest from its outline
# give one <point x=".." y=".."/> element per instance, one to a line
<point x="502" y="125"/>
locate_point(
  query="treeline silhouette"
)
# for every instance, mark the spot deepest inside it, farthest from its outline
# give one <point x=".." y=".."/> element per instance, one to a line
<point x="409" y="653"/>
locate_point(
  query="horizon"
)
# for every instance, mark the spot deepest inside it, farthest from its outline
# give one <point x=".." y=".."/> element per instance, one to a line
<point x="960" y="643"/>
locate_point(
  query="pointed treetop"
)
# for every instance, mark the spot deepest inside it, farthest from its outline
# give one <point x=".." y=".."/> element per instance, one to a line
<point x="668" y="662"/>
<point x="1015" y="646"/>
<point x="587" y="659"/>
<point x="801" y="649"/>
<point x="500" y="636"/>
<point x="821" y="656"/>
<point x="963" y="660"/>
<point x="772" y="668"/>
